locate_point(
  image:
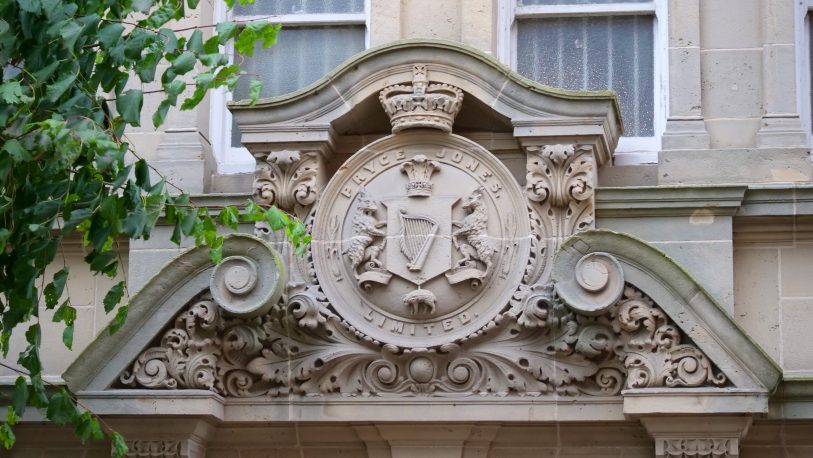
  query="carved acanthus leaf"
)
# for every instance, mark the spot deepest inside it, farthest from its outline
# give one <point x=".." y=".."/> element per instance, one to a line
<point x="291" y="180"/>
<point x="560" y="191"/>
<point x="539" y="346"/>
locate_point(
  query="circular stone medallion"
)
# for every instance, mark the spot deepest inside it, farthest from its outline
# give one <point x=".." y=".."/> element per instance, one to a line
<point x="420" y="238"/>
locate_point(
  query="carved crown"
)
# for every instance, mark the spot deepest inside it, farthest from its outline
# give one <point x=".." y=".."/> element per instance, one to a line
<point x="419" y="169"/>
<point x="421" y="104"/>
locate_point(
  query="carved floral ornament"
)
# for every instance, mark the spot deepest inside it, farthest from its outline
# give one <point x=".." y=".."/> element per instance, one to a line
<point x="418" y="290"/>
<point x="429" y="274"/>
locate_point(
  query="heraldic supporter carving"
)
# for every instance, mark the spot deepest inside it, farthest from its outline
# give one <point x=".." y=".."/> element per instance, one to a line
<point x="429" y="274"/>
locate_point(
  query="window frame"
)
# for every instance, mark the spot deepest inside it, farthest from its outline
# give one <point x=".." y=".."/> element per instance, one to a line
<point x="804" y="92"/>
<point x="230" y="159"/>
<point x="630" y="150"/>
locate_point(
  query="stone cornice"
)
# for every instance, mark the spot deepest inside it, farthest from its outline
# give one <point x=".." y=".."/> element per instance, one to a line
<point x="724" y="200"/>
<point x="669" y="201"/>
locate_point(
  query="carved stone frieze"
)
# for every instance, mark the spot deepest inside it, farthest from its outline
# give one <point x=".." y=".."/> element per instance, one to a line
<point x="154" y="449"/>
<point x="539" y="346"/>
<point x="560" y="190"/>
<point x="291" y="180"/>
<point x="697" y="448"/>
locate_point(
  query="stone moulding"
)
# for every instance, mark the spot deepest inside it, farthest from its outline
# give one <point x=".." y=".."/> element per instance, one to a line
<point x="313" y="111"/>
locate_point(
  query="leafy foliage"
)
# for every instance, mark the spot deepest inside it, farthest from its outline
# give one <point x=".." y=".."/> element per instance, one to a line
<point x="73" y="80"/>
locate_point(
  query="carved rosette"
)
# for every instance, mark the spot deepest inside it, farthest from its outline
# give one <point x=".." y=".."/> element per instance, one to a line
<point x="291" y="180"/>
<point x="560" y="190"/>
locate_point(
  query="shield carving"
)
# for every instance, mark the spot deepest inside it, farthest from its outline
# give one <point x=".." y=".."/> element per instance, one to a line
<point x="419" y="246"/>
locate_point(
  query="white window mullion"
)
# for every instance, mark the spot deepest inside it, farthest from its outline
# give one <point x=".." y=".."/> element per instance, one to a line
<point x="589" y="9"/>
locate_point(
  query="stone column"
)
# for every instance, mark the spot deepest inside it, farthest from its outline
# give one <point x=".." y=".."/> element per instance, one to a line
<point x="165" y="438"/>
<point x="781" y="125"/>
<point x="697" y="437"/>
<point x="685" y="128"/>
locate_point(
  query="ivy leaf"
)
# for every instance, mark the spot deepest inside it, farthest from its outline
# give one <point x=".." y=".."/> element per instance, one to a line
<point x="7" y="437"/>
<point x="67" y="336"/>
<point x="184" y="63"/>
<point x="254" y="88"/>
<point x="31" y="6"/>
<point x="118" y="446"/>
<point x="118" y="320"/>
<point x="110" y="34"/>
<point x="129" y="106"/>
<point x="113" y="296"/>
<point x="61" y="408"/>
<point x="19" y="396"/>
<point x="88" y="427"/>
<point x="56" y="89"/>
<point x="12" y="92"/>
<point x="142" y="174"/>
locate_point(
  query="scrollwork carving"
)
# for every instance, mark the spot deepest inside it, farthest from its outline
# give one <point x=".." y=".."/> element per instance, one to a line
<point x="539" y="346"/>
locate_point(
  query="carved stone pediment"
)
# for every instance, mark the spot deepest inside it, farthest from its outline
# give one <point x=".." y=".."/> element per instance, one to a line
<point x="437" y="271"/>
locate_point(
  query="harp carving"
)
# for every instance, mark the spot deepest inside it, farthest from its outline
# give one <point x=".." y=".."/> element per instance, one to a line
<point x="416" y="237"/>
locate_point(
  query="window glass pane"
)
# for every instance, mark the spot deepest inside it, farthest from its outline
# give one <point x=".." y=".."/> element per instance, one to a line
<point x="301" y="56"/>
<point x="276" y="7"/>
<point x="575" y="2"/>
<point x="595" y="53"/>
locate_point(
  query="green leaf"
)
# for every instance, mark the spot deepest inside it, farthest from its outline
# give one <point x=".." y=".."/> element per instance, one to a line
<point x="113" y="297"/>
<point x="118" y="320"/>
<point x="254" y="88"/>
<point x="57" y="88"/>
<point x="53" y="291"/>
<point x="110" y="34"/>
<point x="118" y="446"/>
<point x="61" y="408"/>
<point x="184" y="63"/>
<point x="31" y="6"/>
<point x="17" y="151"/>
<point x="160" y="114"/>
<point x="67" y="336"/>
<point x="7" y="437"/>
<point x="65" y="313"/>
<point x="129" y="106"/>
<point x="226" y="31"/>
<point x="12" y="92"/>
<point x="70" y="32"/>
<point x="88" y="427"/>
<point x="19" y="396"/>
<point x="142" y="174"/>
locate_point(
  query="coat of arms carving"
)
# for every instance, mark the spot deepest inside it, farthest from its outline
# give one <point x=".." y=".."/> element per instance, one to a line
<point x="421" y="219"/>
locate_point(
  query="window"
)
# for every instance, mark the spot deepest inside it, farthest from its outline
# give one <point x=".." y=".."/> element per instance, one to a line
<point x="317" y="35"/>
<point x="596" y="44"/>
